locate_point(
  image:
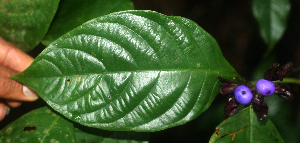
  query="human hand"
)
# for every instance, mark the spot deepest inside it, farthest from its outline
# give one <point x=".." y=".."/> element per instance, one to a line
<point x="12" y="93"/>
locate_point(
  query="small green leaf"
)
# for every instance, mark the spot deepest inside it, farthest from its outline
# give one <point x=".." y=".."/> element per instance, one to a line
<point x="245" y="126"/>
<point x="131" y="70"/>
<point x="25" y="22"/>
<point x="92" y="135"/>
<point x="40" y="125"/>
<point x="272" y="16"/>
<point x="72" y="13"/>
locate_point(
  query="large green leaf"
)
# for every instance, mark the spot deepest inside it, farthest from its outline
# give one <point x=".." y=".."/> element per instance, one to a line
<point x="272" y="16"/>
<point x="246" y="127"/>
<point x="72" y="13"/>
<point x="41" y="125"/>
<point x="25" y="22"/>
<point x="132" y="70"/>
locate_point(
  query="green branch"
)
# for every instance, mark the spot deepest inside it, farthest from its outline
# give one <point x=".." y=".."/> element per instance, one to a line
<point x="285" y="80"/>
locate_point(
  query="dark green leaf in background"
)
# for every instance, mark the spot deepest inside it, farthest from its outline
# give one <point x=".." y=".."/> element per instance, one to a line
<point x="133" y="70"/>
<point x="92" y="135"/>
<point x="72" y="13"/>
<point x="25" y="22"/>
<point x="272" y="16"/>
<point x="40" y="125"/>
<point x="282" y="113"/>
<point x="246" y="127"/>
<point x="263" y="66"/>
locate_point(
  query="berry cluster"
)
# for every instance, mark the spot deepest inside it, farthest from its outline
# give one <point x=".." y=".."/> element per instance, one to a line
<point x="243" y="92"/>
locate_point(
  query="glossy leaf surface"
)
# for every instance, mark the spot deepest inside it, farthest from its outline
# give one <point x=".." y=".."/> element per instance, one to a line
<point x="25" y="22"/>
<point x="245" y="126"/>
<point x="40" y="125"/>
<point x="72" y="13"/>
<point x="272" y="16"/>
<point x="133" y="70"/>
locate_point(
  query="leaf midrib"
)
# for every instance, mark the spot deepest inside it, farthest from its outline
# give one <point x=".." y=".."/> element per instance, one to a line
<point x="171" y="70"/>
<point x="50" y="128"/>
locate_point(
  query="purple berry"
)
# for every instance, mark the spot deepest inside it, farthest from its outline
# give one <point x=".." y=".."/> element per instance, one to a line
<point x="265" y="87"/>
<point x="243" y="94"/>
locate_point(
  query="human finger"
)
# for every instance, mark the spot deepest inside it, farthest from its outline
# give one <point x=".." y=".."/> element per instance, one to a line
<point x="13" y="57"/>
<point x="13" y="103"/>
<point x="4" y="110"/>
<point x="13" y="90"/>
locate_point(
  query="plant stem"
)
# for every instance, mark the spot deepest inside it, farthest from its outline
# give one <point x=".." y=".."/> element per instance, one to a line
<point x="270" y="48"/>
<point x="285" y="80"/>
<point x="289" y="80"/>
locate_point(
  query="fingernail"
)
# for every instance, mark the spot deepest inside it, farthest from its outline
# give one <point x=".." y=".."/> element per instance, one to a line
<point x="29" y="92"/>
<point x="7" y="109"/>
